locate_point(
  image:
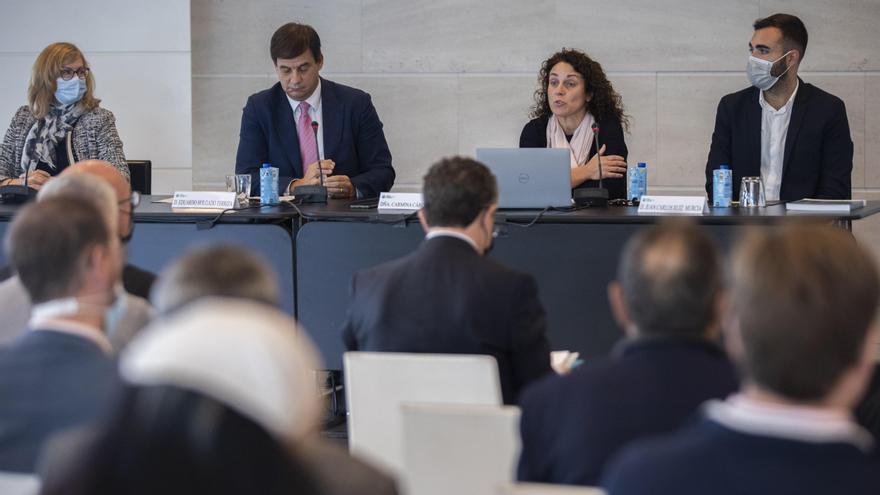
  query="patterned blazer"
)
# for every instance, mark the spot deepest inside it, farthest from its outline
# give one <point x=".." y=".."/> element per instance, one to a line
<point x="94" y="137"/>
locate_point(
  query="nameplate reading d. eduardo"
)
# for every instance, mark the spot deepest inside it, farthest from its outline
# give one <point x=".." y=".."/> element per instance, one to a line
<point x="400" y="201"/>
<point x="203" y="200"/>
<point x="673" y="205"/>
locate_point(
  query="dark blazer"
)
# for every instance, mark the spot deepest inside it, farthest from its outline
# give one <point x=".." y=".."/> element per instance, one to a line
<point x="571" y="425"/>
<point x="710" y="458"/>
<point x="353" y="138"/>
<point x="137" y="281"/>
<point x="818" y="158"/>
<point x="446" y="298"/>
<point x="49" y="382"/>
<point x="534" y="135"/>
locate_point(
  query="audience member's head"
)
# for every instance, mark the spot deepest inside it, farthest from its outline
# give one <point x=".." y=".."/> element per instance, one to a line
<point x="86" y="189"/>
<point x="669" y="282"/>
<point x="221" y="271"/>
<point x="218" y="397"/>
<point x="59" y="250"/>
<point x="803" y="314"/>
<point x="124" y="204"/>
<point x="460" y="193"/>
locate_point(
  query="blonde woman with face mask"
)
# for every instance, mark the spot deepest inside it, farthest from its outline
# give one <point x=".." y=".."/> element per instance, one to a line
<point x="61" y="124"/>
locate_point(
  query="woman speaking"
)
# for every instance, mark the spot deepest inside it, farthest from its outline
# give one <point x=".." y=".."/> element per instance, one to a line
<point x="573" y="95"/>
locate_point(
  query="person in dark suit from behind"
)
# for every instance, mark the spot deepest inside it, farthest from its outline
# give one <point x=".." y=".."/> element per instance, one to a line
<point x="573" y="94"/>
<point x="59" y="374"/>
<point x="790" y="133"/>
<point x="447" y="297"/>
<point x="802" y="330"/>
<point x="350" y="149"/>
<point x="667" y="299"/>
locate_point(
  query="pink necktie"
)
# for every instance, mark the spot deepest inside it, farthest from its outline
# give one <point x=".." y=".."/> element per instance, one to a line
<point x="308" y="147"/>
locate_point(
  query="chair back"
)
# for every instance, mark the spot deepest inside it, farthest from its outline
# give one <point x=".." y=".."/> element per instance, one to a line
<point x="459" y="449"/>
<point x="141" y="172"/>
<point x="19" y="483"/>
<point x="377" y="383"/>
<point x="547" y="489"/>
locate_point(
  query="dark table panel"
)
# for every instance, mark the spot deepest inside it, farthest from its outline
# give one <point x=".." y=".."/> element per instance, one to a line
<point x="572" y="264"/>
<point x="155" y="245"/>
<point x="162" y="235"/>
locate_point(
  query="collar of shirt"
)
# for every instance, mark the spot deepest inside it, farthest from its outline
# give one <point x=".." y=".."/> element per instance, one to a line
<point x="769" y="108"/>
<point x="451" y="233"/>
<point x="314" y="102"/>
<point x="81" y="330"/>
<point x="799" y="423"/>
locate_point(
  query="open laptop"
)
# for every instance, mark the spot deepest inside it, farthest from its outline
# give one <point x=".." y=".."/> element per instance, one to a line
<point x="530" y="178"/>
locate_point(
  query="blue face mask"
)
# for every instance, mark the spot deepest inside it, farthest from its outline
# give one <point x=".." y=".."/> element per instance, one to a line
<point x="70" y="91"/>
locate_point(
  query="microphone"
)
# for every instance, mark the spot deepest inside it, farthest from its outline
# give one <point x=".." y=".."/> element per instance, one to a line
<point x="593" y="196"/>
<point x="595" y="128"/>
<point x="313" y="194"/>
<point x="17" y="194"/>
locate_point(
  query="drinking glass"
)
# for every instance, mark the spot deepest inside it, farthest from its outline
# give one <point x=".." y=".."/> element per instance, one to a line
<point x="751" y="192"/>
<point x="240" y="184"/>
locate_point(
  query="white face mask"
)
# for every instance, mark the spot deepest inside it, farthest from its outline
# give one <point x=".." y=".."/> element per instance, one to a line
<point x="759" y="70"/>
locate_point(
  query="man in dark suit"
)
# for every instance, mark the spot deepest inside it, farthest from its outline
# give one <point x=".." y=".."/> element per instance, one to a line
<point x="666" y="298"/>
<point x="276" y="125"/>
<point x="446" y="297"/>
<point x="802" y="330"/>
<point x="59" y="374"/>
<point x="792" y="134"/>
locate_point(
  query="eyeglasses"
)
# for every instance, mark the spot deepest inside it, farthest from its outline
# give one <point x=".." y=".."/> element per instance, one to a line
<point x="67" y="74"/>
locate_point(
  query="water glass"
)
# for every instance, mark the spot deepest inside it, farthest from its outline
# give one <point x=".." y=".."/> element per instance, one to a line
<point x="240" y="184"/>
<point x="751" y="192"/>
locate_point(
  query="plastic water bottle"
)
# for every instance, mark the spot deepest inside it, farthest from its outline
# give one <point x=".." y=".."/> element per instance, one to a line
<point x="632" y="183"/>
<point x="642" y="169"/>
<point x="269" y="185"/>
<point x="636" y="181"/>
<point x="722" y="186"/>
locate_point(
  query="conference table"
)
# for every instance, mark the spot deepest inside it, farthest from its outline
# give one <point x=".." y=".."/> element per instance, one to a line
<point x="315" y="249"/>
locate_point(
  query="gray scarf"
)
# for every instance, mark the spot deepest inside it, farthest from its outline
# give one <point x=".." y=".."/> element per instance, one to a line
<point x="44" y="135"/>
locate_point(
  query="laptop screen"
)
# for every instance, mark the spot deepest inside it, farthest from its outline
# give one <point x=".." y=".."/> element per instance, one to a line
<point x="530" y="178"/>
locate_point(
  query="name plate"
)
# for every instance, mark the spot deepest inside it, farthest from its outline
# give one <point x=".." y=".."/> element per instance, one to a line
<point x="673" y="205"/>
<point x="204" y="200"/>
<point x="400" y="201"/>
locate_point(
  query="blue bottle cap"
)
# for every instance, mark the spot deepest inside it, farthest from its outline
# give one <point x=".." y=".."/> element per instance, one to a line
<point x="725" y="167"/>
<point x="643" y="164"/>
<point x="267" y="165"/>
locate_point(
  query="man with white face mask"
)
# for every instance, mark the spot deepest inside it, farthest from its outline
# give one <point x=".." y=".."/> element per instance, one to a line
<point x="60" y="373"/>
<point x="790" y="133"/>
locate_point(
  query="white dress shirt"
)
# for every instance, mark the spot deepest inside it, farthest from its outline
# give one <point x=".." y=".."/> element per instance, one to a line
<point x="799" y="423"/>
<point x="315" y="113"/>
<point x="451" y="233"/>
<point x="774" y="129"/>
<point x="47" y="317"/>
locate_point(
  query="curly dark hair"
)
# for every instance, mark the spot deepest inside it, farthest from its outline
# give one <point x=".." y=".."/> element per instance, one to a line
<point x="605" y="101"/>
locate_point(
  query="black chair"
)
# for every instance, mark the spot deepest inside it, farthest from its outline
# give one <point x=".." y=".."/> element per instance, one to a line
<point x="141" y="175"/>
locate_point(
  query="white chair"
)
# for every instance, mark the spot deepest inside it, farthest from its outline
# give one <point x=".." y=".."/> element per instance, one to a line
<point x="19" y="483"/>
<point x="467" y="450"/>
<point x="545" y="489"/>
<point x="377" y="383"/>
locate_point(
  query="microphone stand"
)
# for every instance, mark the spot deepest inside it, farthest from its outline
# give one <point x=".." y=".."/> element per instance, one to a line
<point x="593" y="196"/>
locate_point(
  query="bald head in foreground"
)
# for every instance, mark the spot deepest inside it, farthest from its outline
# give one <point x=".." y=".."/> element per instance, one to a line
<point x="666" y="298"/>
